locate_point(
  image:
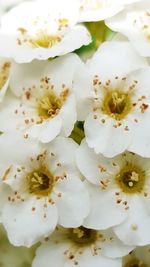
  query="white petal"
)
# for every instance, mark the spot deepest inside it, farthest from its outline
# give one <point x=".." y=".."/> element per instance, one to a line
<point x="89" y="164"/>
<point x="8" y="120"/>
<point x="63" y="150"/>
<point x="98" y="10"/>
<point x="73" y="206"/>
<point x="82" y="90"/>
<point x="4" y="191"/>
<point x="28" y="75"/>
<point x="140" y="141"/>
<point x="24" y="54"/>
<point x="50" y="253"/>
<point x="68" y="115"/>
<point x="46" y="131"/>
<point x="131" y="23"/>
<point x="26" y="226"/>
<point x="16" y="149"/>
<point x="104" y="212"/>
<point x="103" y="135"/>
<point x="135" y="230"/>
<point x="112" y="247"/>
<point x="115" y="53"/>
<point x="87" y="260"/>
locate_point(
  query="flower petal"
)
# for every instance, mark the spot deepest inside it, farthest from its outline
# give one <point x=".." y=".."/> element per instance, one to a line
<point x="105" y="211"/>
<point x="26" y="223"/>
<point x="135" y="229"/>
<point x="73" y="205"/>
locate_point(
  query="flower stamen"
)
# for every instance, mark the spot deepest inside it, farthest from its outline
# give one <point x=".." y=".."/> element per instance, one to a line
<point x="116" y="104"/>
<point x="40" y="182"/>
<point x="131" y="179"/>
<point x="49" y="105"/>
<point x="45" y="40"/>
<point x="83" y="236"/>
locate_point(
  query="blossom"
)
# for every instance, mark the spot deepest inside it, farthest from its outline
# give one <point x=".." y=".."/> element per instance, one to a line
<point x="134" y="23"/>
<point x="138" y="257"/>
<point x="45" y="187"/>
<point x="96" y="10"/>
<point x="119" y="191"/>
<point x="43" y="29"/>
<point x="12" y="256"/>
<point x="43" y="103"/>
<point x="113" y="98"/>
<point x="82" y="247"/>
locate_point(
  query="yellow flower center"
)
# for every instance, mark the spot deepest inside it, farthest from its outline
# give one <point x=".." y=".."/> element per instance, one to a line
<point x="131" y="179"/>
<point x="49" y="105"/>
<point x="116" y="104"/>
<point x="44" y="40"/>
<point x="40" y="182"/>
<point x="41" y="39"/>
<point x="83" y="236"/>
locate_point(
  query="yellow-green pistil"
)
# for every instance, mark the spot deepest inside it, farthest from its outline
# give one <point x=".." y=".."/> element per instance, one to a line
<point x="131" y="179"/>
<point x="116" y="104"/>
<point x="49" y="105"/>
<point x="45" y="40"/>
<point x="40" y="182"/>
<point x="83" y="236"/>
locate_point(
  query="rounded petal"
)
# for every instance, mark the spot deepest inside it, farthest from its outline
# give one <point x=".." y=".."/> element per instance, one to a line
<point x="106" y="137"/>
<point x="113" y="247"/>
<point x="115" y="53"/>
<point x="61" y="157"/>
<point x="82" y="91"/>
<point x="50" y="253"/>
<point x="46" y="131"/>
<point x="28" y="75"/>
<point x="135" y="229"/>
<point x="16" y="149"/>
<point x="73" y="205"/>
<point x="90" y="164"/>
<point x="105" y="212"/>
<point x="68" y="115"/>
<point x="133" y="22"/>
<point x="87" y="260"/>
<point x="27" y="222"/>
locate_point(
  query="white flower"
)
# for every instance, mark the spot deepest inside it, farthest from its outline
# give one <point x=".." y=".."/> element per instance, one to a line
<point x="42" y="29"/>
<point x="139" y="257"/>
<point x="96" y="10"/>
<point x="45" y="188"/>
<point x="14" y="256"/>
<point x="44" y="104"/>
<point x="114" y="100"/>
<point x="119" y="191"/>
<point x="134" y="23"/>
<point x="5" y="66"/>
<point x="81" y="247"/>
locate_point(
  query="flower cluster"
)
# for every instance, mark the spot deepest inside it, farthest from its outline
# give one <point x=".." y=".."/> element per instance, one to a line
<point x="74" y="133"/>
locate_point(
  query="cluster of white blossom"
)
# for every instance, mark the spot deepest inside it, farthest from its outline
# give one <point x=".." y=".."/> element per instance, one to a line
<point x="75" y="133"/>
